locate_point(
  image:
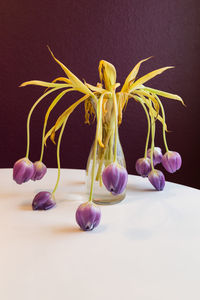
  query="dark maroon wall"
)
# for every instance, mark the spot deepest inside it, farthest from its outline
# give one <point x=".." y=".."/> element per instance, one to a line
<point x="80" y="33"/>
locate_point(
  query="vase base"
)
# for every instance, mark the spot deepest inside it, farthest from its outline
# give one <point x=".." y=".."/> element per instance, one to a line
<point x="108" y="200"/>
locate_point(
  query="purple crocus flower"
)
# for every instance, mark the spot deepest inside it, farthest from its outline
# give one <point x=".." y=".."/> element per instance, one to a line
<point x="157" y="179"/>
<point x="43" y="201"/>
<point x="23" y="170"/>
<point x="143" y="166"/>
<point x="40" y="170"/>
<point x="171" y="161"/>
<point x="88" y="216"/>
<point x="115" y="178"/>
<point x="157" y="155"/>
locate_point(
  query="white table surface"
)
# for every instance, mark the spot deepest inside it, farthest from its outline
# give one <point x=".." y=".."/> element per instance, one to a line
<point x="145" y="248"/>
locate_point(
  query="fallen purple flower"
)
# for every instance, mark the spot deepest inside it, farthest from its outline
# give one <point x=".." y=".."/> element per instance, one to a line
<point x="43" y="201"/>
<point x="157" y="179"/>
<point x="88" y="216"/>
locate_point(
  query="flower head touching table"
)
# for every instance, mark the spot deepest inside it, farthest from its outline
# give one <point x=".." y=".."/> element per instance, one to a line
<point x="146" y="247"/>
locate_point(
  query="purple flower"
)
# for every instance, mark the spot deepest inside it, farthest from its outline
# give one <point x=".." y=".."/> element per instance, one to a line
<point x="88" y="216"/>
<point x="171" y="161"/>
<point x="143" y="166"/>
<point x="23" y="170"/>
<point x="115" y="178"/>
<point x="43" y="201"/>
<point x="157" y="155"/>
<point x="40" y="170"/>
<point x="157" y="179"/>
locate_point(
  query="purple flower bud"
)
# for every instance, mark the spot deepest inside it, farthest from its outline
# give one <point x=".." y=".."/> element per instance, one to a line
<point x="143" y="166"/>
<point x="43" y="201"/>
<point x="88" y="216"/>
<point x="171" y="161"/>
<point x="23" y="170"/>
<point x="157" y="155"/>
<point x="40" y="170"/>
<point x="115" y="178"/>
<point x="157" y="179"/>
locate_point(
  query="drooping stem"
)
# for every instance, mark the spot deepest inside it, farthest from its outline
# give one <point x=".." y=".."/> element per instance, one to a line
<point x="149" y="124"/>
<point x="93" y="166"/>
<point x="47" y="116"/>
<point x="58" y="156"/>
<point x="103" y="154"/>
<point x="163" y="115"/>
<point x="149" y="129"/>
<point x="116" y="125"/>
<point x="29" y="117"/>
<point x="152" y="140"/>
<point x="98" y="139"/>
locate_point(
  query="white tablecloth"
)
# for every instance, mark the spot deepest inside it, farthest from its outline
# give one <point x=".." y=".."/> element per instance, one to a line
<point x="145" y="248"/>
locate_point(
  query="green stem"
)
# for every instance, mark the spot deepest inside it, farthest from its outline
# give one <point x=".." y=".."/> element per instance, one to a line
<point x="149" y="124"/>
<point x="116" y="125"/>
<point x="152" y="140"/>
<point x="103" y="154"/>
<point x="149" y="127"/>
<point x="29" y="117"/>
<point x="58" y="156"/>
<point x="47" y="116"/>
<point x="163" y="115"/>
<point x="93" y="166"/>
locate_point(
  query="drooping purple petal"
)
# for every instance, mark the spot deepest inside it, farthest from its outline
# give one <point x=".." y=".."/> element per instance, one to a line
<point x="143" y="166"/>
<point x="157" y="155"/>
<point x="40" y="171"/>
<point x="88" y="216"/>
<point x="157" y="179"/>
<point x="115" y="178"/>
<point x="23" y="170"/>
<point x="171" y="161"/>
<point x="43" y="201"/>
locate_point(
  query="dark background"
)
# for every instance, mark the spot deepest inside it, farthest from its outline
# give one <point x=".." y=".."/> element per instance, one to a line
<point x="80" y="33"/>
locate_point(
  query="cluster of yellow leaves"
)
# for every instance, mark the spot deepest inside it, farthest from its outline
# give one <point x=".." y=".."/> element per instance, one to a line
<point x="95" y="97"/>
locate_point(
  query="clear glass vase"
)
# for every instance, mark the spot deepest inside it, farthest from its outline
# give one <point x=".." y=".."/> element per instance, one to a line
<point x="104" y="157"/>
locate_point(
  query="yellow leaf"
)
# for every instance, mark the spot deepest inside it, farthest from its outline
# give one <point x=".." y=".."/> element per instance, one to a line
<point x="107" y="73"/>
<point x="147" y="77"/>
<point x="76" y="82"/>
<point x="95" y="88"/>
<point x="131" y="77"/>
<point x="122" y="99"/>
<point x="151" y="97"/>
<point x="62" y="79"/>
<point x="151" y="109"/>
<point x="99" y="120"/>
<point x="43" y="83"/>
<point x="53" y="105"/>
<point x="164" y="94"/>
<point x="64" y="116"/>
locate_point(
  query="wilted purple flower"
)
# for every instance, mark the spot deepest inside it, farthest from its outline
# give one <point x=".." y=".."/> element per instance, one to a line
<point x="157" y="155"/>
<point x="40" y="170"/>
<point x="157" y="179"/>
<point x="23" y="170"/>
<point x="88" y="216"/>
<point x="115" y="178"/>
<point x="43" y="201"/>
<point x="143" y="166"/>
<point x="171" y="161"/>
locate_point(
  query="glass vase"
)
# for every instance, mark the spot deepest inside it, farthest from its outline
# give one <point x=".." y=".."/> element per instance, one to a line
<point x="104" y="157"/>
